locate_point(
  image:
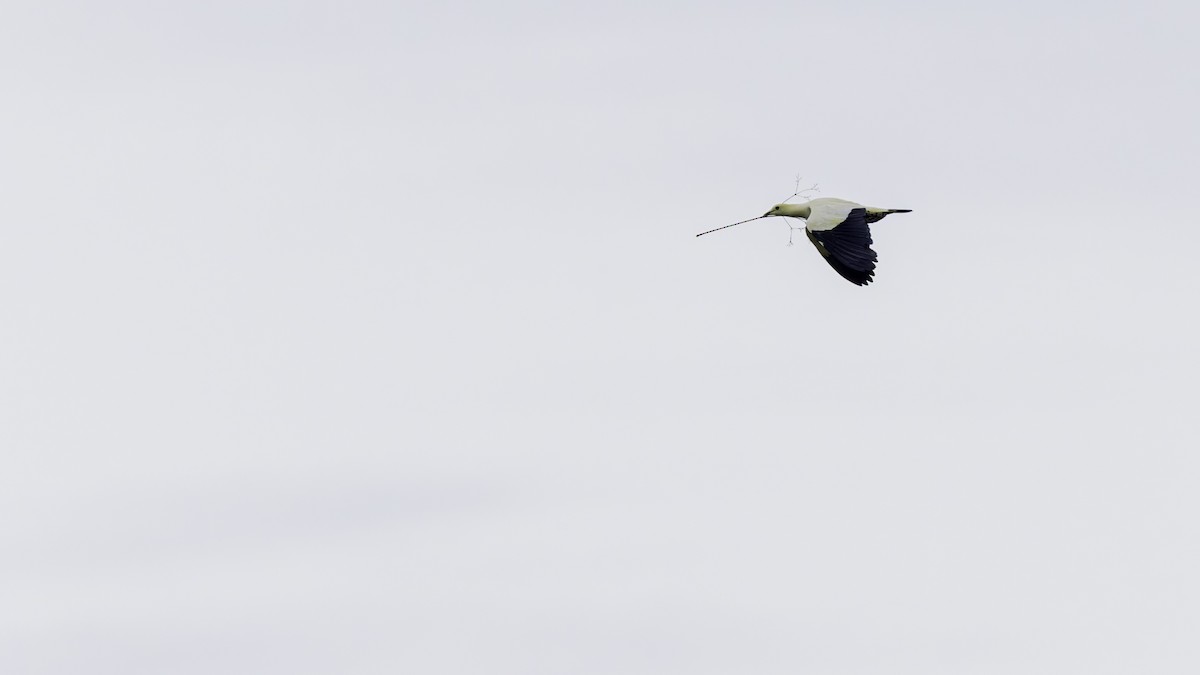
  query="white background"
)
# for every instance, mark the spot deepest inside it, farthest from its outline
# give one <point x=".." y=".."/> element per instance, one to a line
<point x="374" y="338"/>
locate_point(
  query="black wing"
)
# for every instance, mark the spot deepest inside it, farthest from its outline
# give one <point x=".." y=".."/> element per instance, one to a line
<point x="847" y="248"/>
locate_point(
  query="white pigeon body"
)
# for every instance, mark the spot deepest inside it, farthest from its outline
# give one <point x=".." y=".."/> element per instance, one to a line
<point x="839" y="229"/>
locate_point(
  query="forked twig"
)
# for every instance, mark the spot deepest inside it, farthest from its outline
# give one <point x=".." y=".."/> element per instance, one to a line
<point x="791" y="230"/>
<point x="816" y="187"/>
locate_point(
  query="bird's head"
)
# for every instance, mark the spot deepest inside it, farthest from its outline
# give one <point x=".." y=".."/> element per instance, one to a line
<point x="792" y="210"/>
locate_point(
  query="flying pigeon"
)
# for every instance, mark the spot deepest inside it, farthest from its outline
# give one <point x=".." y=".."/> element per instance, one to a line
<point x="840" y="231"/>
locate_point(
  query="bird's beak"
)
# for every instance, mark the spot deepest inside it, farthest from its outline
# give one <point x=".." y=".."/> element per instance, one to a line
<point x="768" y="213"/>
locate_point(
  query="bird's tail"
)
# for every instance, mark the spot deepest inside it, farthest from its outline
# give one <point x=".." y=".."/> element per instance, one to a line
<point x="874" y="215"/>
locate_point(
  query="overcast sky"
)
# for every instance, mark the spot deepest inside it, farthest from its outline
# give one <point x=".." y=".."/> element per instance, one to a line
<point x="373" y="338"/>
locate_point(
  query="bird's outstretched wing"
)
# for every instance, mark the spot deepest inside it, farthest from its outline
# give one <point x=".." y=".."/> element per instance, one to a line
<point x="847" y="247"/>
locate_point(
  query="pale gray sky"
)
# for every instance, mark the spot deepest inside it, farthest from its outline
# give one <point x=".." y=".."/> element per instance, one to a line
<point x="374" y="338"/>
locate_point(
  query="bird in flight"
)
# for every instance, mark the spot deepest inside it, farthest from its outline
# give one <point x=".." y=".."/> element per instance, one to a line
<point x="840" y="231"/>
